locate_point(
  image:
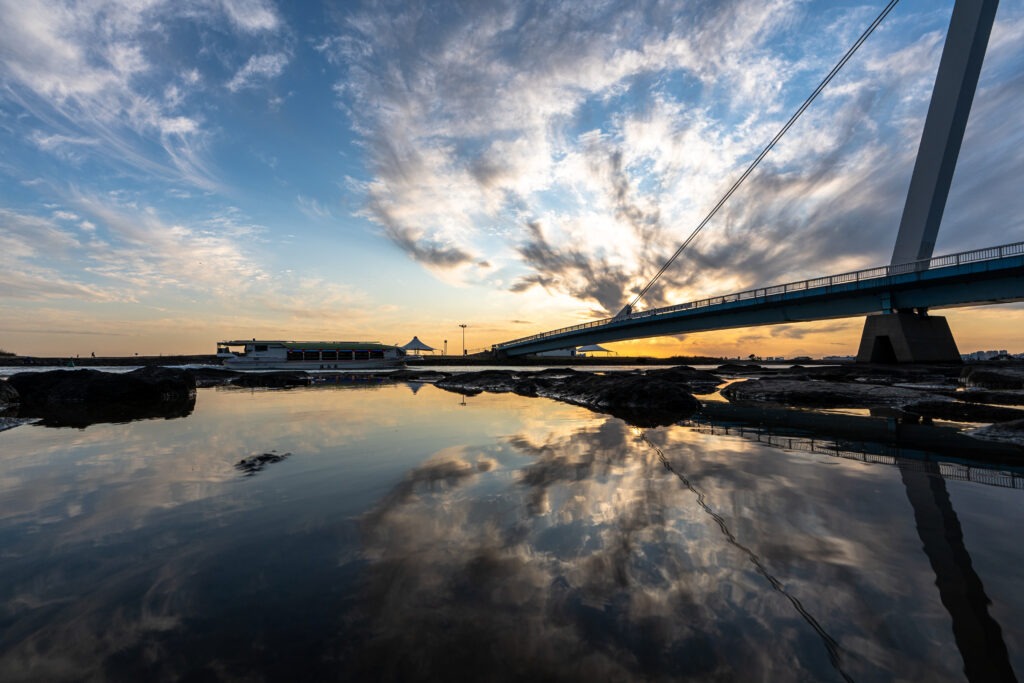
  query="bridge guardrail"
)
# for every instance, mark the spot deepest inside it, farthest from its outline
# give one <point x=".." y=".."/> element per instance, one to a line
<point x="948" y="260"/>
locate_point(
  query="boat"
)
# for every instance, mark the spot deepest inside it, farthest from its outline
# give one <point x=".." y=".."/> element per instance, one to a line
<point x="257" y="354"/>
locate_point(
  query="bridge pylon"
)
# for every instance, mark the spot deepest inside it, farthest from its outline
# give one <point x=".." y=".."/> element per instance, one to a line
<point x="915" y="337"/>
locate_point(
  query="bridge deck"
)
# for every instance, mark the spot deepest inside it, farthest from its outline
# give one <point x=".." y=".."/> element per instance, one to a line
<point x="982" y="276"/>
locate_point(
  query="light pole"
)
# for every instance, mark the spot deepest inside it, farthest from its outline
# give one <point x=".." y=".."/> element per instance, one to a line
<point x="463" y="326"/>
<point x="446" y="347"/>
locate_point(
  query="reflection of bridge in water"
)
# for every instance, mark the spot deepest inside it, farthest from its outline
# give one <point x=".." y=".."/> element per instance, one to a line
<point x="878" y="441"/>
<point x="924" y="473"/>
<point x="896" y="298"/>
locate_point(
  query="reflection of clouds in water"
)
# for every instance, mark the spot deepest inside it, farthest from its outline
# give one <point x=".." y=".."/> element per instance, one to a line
<point x="600" y="563"/>
<point x="562" y="550"/>
<point x="109" y="519"/>
<point x="153" y="468"/>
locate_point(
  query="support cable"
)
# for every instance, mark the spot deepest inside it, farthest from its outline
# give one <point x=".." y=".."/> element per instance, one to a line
<point x="778" y="136"/>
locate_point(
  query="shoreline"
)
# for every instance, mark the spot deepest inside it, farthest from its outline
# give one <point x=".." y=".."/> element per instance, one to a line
<point x="419" y="361"/>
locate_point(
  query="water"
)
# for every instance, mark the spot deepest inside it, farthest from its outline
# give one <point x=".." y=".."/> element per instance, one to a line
<point x="413" y="534"/>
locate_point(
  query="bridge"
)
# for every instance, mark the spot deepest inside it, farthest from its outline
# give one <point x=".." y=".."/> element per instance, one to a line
<point x="895" y="298"/>
<point x="982" y="276"/>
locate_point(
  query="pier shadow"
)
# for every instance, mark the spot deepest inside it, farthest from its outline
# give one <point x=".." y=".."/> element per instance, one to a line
<point x="978" y="636"/>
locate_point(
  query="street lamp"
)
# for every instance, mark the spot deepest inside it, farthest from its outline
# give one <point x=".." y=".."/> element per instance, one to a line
<point x="463" y="326"/>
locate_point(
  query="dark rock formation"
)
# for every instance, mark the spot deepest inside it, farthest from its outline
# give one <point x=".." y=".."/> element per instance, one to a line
<point x="8" y="395"/>
<point x="256" y="463"/>
<point x="414" y="375"/>
<point x="697" y="381"/>
<point x="12" y="422"/>
<point x="494" y="381"/>
<point x="821" y="394"/>
<point x="993" y="377"/>
<point x="644" y="401"/>
<point x="78" y="398"/>
<point x="143" y="386"/>
<point x="999" y="398"/>
<point x="1005" y="432"/>
<point x="963" y="412"/>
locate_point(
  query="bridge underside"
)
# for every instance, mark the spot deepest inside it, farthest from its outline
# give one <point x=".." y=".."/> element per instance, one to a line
<point x="972" y="284"/>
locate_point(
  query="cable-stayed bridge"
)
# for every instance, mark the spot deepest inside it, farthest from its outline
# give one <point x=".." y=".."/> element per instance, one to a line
<point x="896" y="298"/>
<point x="971" y="278"/>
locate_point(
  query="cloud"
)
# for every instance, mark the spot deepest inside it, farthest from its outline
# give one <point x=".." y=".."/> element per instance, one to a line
<point x="259" y="68"/>
<point x="616" y="127"/>
<point x="570" y="270"/>
<point x="252" y="15"/>
<point x="114" y="249"/>
<point x="29" y="248"/>
<point x="105" y="81"/>
<point x="312" y="208"/>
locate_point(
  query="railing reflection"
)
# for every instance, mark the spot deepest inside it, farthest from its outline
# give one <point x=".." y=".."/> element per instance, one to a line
<point x="821" y="446"/>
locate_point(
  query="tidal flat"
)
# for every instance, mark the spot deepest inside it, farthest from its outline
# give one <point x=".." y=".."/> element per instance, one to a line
<point x="397" y="531"/>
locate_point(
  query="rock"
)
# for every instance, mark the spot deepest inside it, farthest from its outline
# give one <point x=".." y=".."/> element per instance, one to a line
<point x="1005" y="432"/>
<point x="999" y="398"/>
<point x="8" y="395"/>
<point x="993" y="377"/>
<point x="641" y="400"/>
<point x="142" y="386"/>
<point x="697" y="381"/>
<point x="12" y="422"/>
<point x="78" y="398"/>
<point x="820" y="394"/>
<point x="494" y="381"/>
<point x="412" y="375"/>
<point x="963" y="412"/>
<point x="739" y="368"/>
<point x="256" y="463"/>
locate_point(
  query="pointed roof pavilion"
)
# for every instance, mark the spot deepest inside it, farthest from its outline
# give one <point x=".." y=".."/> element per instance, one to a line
<point x="592" y="348"/>
<point x="416" y="345"/>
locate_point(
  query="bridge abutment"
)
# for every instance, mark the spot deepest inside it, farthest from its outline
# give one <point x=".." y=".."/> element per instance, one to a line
<point x="905" y="337"/>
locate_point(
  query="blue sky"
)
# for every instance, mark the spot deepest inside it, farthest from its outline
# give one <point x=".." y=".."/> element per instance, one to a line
<point x="174" y="173"/>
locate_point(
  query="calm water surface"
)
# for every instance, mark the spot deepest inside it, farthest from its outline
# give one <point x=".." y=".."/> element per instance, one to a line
<point x="412" y="534"/>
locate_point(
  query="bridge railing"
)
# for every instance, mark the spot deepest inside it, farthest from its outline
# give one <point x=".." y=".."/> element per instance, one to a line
<point x="949" y="260"/>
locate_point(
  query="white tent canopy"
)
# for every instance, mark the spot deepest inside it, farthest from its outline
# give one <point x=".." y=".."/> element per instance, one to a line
<point x="417" y="345"/>
<point x="592" y="348"/>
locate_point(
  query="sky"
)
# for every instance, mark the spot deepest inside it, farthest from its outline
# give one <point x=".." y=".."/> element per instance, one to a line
<point x="175" y="173"/>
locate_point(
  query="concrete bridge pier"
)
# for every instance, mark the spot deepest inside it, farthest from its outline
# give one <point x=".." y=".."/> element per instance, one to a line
<point x="907" y="337"/>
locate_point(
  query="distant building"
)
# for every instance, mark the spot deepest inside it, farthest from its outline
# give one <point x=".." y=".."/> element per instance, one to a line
<point x="985" y="355"/>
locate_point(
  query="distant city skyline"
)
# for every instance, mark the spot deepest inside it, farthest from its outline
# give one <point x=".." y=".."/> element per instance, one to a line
<point x="178" y="174"/>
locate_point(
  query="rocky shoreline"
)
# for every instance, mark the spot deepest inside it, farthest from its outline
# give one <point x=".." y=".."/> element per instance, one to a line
<point x="986" y="401"/>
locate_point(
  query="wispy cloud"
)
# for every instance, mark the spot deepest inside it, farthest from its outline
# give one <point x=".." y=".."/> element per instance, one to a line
<point x="313" y="209"/>
<point x="258" y="69"/>
<point x="252" y="15"/>
<point x="103" y="80"/>
<point x="574" y="148"/>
